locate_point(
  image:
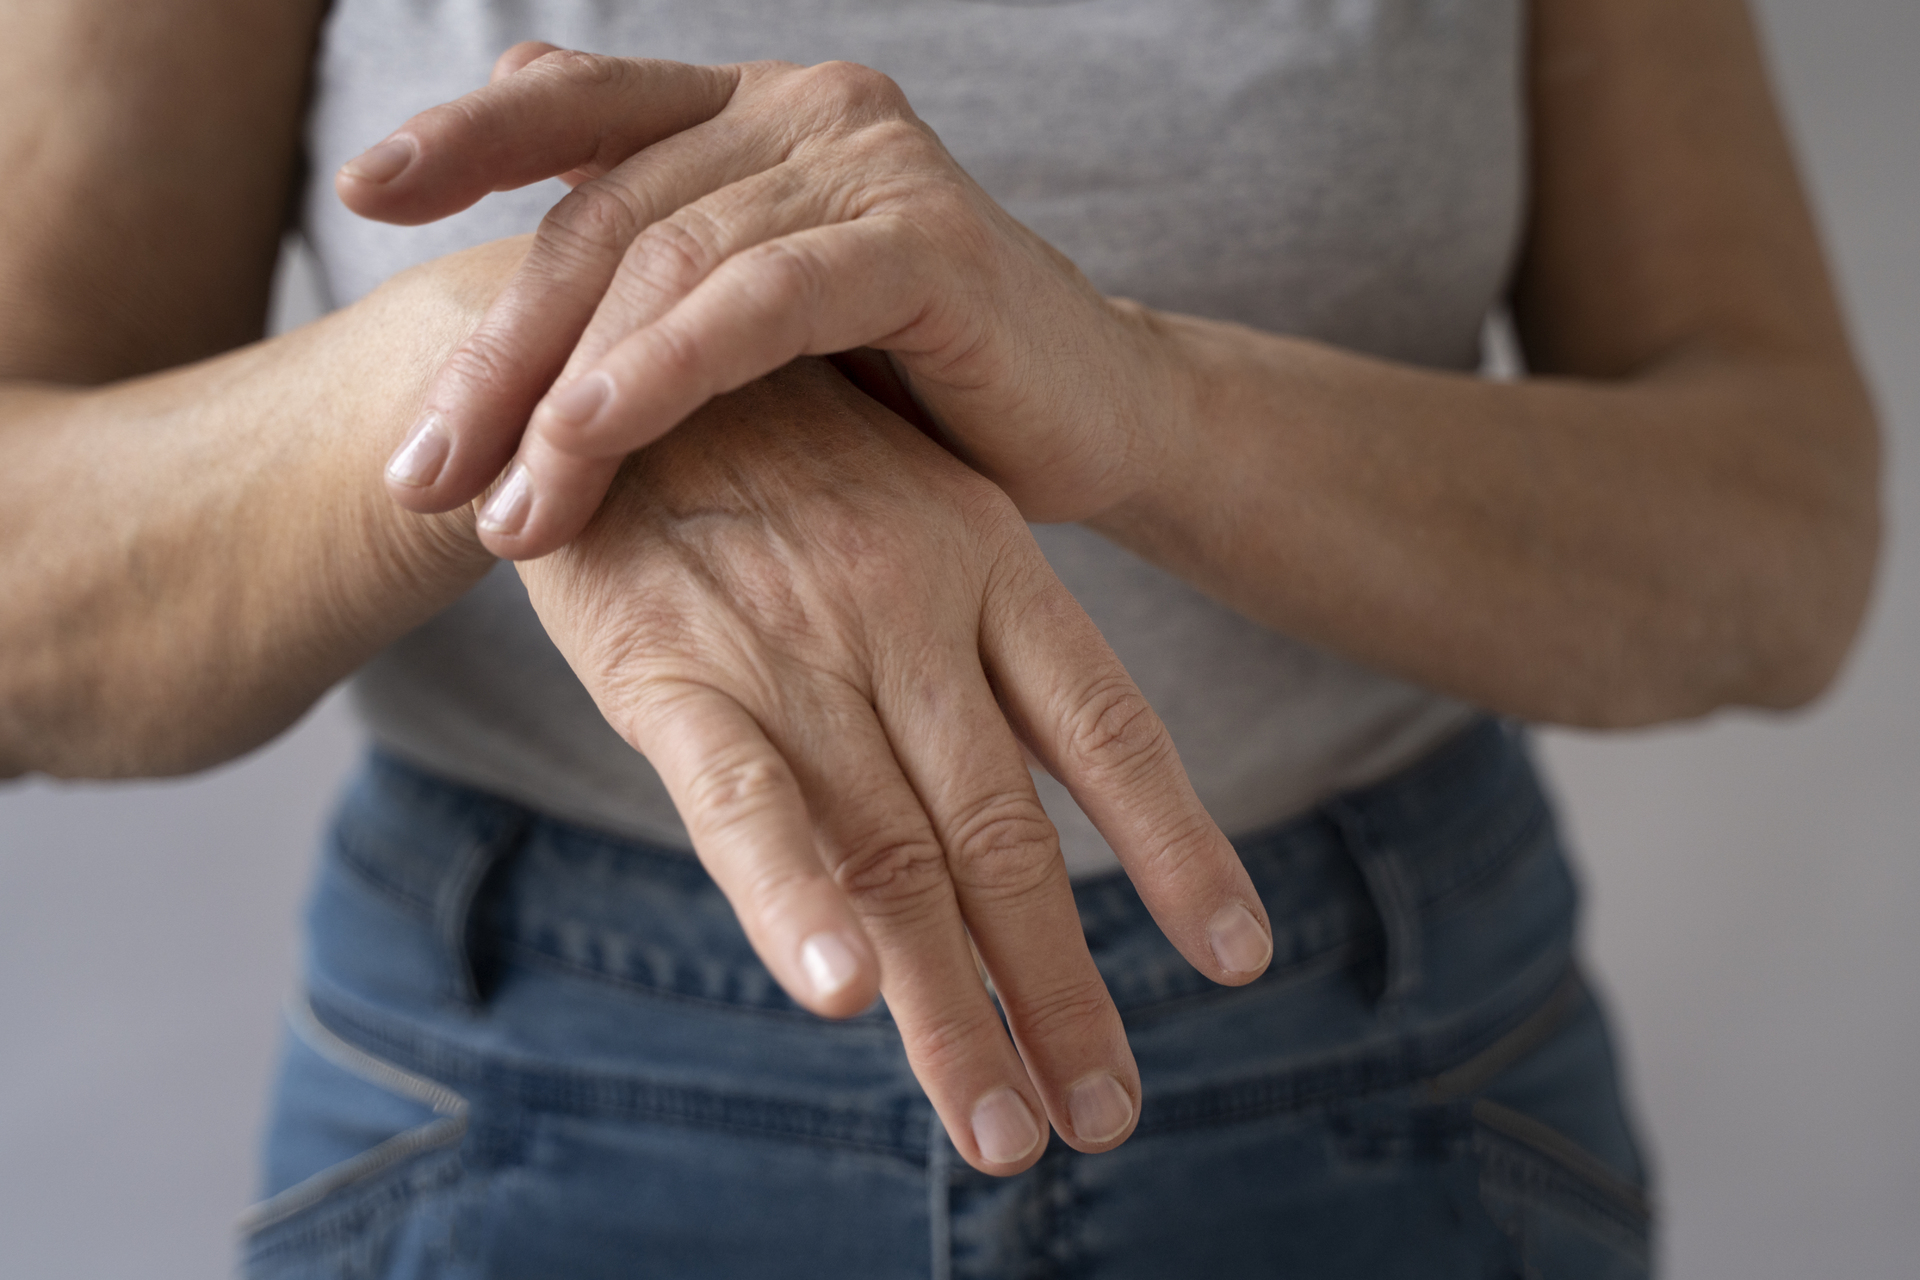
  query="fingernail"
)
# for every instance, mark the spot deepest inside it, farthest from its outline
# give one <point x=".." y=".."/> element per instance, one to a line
<point x="1238" y="941"/>
<point x="1003" y="1128"/>
<point x="1100" y="1108"/>
<point x="580" y="400"/>
<point x="507" y="509"/>
<point x="418" y="460"/>
<point x="830" y="963"/>
<point x="382" y="162"/>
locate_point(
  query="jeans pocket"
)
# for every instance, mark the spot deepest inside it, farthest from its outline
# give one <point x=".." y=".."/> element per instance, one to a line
<point x="364" y="1160"/>
<point x="1569" y="1215"/>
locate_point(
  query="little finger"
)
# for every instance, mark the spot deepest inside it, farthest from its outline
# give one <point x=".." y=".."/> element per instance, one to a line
<point x="1083" y="716"/>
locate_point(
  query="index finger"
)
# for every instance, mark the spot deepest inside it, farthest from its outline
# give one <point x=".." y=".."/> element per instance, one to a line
<point x="563" y="111"/>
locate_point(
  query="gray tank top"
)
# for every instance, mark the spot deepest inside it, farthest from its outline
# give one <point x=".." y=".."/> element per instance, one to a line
<point x="1349" y="170"/>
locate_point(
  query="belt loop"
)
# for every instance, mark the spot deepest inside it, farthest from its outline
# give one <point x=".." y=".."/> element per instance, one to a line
<point x="1394" y="901"/>
<point x="453" y="909"/>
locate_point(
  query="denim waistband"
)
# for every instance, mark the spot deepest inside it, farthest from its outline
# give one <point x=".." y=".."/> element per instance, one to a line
<point x="1348" y="881"/>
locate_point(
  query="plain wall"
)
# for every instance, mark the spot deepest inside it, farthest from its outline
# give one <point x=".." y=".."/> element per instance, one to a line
<point x="1753" y="883"/>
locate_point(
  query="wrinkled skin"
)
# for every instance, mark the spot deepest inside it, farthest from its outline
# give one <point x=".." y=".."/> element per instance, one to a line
<point x="832" y="640"/>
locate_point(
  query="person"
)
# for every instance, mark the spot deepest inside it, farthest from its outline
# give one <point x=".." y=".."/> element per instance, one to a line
<point x="829" y="431"/>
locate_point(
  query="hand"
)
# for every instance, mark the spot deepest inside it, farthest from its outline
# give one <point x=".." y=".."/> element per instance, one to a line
<point x="724" y="221"/>
<point x="831" y="639"/>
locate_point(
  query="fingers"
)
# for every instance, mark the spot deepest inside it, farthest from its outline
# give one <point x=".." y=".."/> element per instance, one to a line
<point x="566" y="474"/>
<point x="860" y="892"/>
<point x="1004" y="860"/>
<point x="559" y="112"/>
<point x="479" y="402"/>
<point x="749" y="823"/>
<point x="820" y="290"/>
<point x="1081" y="713"/>
<point x="890" y="864"/>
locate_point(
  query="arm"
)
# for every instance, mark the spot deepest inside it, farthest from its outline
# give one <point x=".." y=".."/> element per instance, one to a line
<point x="200" y="554"/>
<point x="1679" y="514"/>
<point x="189" y="558"/>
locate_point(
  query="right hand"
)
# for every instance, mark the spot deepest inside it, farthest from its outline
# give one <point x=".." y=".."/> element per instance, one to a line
<point x="831" y="638"/>
<point x="726" y="221"/>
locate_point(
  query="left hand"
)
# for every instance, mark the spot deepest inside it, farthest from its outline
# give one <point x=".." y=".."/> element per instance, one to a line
<point x="832" y="640"/>
<point x="724" y="221"/>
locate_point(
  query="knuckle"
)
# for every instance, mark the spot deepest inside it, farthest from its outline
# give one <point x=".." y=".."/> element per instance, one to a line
<point x="947" y="1042"/>
<point x="892" y="874"/>
<point x="738" y="786"/>
<point x="988" y="512"/>
<point x="860" y="88"/>
<point x="1004" y="845"/>
<point x="894" y="165"/>
<point x="517" y="54"/>
<point x="1116" y="733"/>
<point x="578" y="67"/>
<point x="1183" y="849"/>
<point x="676" y="253"/>
<point x="1069" y="1010"/>
<point x="482" y="362"/>
<point x="597" y="217"/>
<point x="897" y="142"/>
<point x="791" y="280"/>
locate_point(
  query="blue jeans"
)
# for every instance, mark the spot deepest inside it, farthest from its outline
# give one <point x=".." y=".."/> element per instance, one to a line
<point x="532" y="1050"/>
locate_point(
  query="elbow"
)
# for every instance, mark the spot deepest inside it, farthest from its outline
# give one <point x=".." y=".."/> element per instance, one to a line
<point x="1831" y="558"/>
<point x="107" y="729"/>
<point x="1773" y="635"/>
<point x="1809" y="606"/>
<point x="1811" y="648"/>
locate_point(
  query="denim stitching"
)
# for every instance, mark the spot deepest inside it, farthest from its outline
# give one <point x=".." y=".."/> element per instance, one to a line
<point x="1399" y="1065"/>
<point x="898" y="1129"/>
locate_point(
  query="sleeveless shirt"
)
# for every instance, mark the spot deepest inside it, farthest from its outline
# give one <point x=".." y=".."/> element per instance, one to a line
<point x="1346" y="170"/>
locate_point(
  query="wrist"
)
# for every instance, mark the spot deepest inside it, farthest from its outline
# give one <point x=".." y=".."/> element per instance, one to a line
<point x="1160" y="409"/>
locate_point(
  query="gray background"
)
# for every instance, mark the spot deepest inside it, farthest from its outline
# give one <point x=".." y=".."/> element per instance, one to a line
<point x="1753" y="883"/>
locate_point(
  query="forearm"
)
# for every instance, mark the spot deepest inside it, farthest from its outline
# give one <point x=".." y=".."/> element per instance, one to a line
<point x="188" y="560"/>
<point x="1581" y="551"/>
